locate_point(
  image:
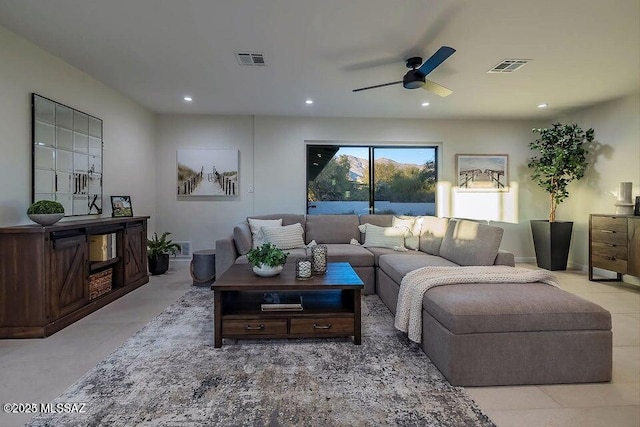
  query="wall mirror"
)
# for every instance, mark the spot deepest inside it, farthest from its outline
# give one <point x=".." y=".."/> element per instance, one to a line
<point x="67" y="157"/>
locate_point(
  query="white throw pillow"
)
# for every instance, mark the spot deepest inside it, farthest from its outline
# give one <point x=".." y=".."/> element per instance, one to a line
<point x="412" y="238"/>
<point x="287" y="237"/>
<point x="384" y="237"/>
<point x="256" y="233"/>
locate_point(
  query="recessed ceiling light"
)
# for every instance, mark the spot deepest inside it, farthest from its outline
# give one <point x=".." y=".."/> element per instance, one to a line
<point x="543" y="105"/>
<point x="188" y="98"/>
<point x="309" y="101"/>
<point x="425" y="104"/>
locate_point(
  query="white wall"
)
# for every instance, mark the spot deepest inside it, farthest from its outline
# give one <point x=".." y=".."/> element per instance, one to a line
<point x="129" y="130"/>
<point x="201" y="220"/>
<point x="617" y="159"/>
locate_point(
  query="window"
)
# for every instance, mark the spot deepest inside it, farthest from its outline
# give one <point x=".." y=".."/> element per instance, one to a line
<point x="339" y="180"/>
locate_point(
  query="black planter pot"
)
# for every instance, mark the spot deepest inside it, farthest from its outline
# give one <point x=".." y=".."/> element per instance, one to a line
<point x="551" y="241"/>
<point x="159" y="264"/>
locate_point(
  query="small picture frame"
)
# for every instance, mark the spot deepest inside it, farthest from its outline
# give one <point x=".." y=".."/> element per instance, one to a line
<point x="121" y="206"/>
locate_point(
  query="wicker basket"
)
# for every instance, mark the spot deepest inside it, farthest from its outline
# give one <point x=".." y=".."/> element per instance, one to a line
<point x="100" y="283"/>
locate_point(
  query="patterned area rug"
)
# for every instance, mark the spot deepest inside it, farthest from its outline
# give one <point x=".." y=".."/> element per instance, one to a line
<point x="170" y="374"/>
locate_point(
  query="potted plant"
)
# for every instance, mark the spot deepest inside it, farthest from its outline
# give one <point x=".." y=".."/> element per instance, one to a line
<point x="45" y="212"/>
<point x="267" y="260"/>
<point x="158" y="251"/>
<point x="562" y="158"/>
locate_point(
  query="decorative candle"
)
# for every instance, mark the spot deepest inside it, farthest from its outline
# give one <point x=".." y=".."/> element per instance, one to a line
<point x="303" y="268"/>
<point x="319" y="256"/>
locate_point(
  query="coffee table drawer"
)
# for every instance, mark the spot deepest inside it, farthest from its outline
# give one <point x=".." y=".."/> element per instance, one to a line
<point x="324" y="325"/>
<point x="254" y="327"/>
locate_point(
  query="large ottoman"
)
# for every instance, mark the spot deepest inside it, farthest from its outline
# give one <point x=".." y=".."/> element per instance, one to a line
<point x="506" y="334"/>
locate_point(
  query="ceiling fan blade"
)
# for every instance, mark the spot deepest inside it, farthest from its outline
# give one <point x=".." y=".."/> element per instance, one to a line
<point x="376" y="86"/>
<point x="436" y="88"/>
<point x="436" y="59"/>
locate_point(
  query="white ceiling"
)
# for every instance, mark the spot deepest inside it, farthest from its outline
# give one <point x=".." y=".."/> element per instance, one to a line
<point x="157" y="51"/>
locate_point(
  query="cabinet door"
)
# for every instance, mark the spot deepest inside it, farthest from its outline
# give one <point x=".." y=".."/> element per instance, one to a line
<point x="634" y="247"/>
<point x="69" y="279"/>
<point x="135" y="253"/>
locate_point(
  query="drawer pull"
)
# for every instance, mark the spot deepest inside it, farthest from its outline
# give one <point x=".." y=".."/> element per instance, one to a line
<point x="610" y="258"/>
<point x="254" y="328"/>
<point x="316" y="326"/>
<point x="607" y="231"/>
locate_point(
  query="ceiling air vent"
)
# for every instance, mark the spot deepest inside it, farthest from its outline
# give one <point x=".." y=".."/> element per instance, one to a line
<point x="250" y="58"/>
<point x="509" y="65"/>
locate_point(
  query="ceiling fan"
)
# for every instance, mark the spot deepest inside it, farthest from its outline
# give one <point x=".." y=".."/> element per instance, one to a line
<point x="415" y="78"/>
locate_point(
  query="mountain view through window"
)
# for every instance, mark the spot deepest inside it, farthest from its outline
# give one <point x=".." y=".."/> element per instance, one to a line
<point x="361" y="180"/>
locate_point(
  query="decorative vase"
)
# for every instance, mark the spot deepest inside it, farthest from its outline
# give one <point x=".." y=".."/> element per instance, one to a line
<point x="304" y="268"/>
<point x="267" y="271"/>
<point x="624" y="205"/>
<point x="46" y="219"/>
<point x="319" y="257"/>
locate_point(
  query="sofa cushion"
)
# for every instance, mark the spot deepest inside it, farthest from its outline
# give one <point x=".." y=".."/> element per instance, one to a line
<point x="242" y="238"/>
<point x="285" y="237"/>
<point x="432" y="231"/>
<point x="512" y="307"/>
<point x="256" y="225"/>
<point x="357" y="256"/>
<point x="332" y="228"/>
<point x="399" y="264"/>
<point x="381" y="220"/>
<point x="471" y="243"/>
<point x="378" y="252"/>
<point x="384" y="237"/>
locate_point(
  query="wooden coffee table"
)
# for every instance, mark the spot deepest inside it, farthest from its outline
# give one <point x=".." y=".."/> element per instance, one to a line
<point x="331" y="304"/>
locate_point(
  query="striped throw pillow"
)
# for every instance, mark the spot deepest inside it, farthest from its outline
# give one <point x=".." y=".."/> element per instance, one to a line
<point x="287" y="237"/>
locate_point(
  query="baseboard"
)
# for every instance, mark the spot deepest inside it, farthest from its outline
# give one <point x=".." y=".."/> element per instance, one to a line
<point x="526" y="260"/>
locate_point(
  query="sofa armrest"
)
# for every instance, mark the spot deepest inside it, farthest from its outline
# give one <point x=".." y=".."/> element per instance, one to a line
<point x="226" y="254"/>
<point x="505" y="258"/>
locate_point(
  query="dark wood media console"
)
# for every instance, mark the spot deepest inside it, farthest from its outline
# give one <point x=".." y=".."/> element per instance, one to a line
<point x="45" y="272"/>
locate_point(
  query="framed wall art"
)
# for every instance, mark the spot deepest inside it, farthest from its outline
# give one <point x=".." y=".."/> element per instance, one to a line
<point x="121" y="206"/>
<point x="482" y="172"/>
<point x="67" y="157"/>
<point x="207" y="173"/>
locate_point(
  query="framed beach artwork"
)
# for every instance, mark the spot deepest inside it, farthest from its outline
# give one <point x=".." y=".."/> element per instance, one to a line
<point x="207" y="173"/>
<point x="482" y="172"/>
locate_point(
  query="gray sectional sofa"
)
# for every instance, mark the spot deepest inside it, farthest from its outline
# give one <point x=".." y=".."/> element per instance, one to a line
<point x="476" y="334"/>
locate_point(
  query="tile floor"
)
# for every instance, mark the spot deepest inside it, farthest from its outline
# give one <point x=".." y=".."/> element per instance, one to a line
<point x="39" y="370"/>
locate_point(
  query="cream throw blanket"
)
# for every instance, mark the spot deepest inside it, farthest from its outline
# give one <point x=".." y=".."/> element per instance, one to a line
<point x="417" y="282"/>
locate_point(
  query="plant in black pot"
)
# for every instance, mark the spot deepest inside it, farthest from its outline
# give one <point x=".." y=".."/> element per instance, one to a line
<point x="45" y="212"/>
<point x="158" y="251"/>
<point x="562" y="158"/>
<point x="267" y="260"/>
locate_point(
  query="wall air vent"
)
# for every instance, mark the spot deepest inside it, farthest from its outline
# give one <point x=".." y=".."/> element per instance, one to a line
<point x="250" y="58"/>
<point x="509" y="65"/>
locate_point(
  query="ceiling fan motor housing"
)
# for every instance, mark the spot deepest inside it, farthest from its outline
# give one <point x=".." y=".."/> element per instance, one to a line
<point x="414" y="79"/>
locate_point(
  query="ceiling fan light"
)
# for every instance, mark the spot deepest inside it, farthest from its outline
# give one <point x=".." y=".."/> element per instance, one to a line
<point x="413" y="80"/>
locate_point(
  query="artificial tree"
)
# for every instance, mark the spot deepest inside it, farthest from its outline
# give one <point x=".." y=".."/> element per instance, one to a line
<point x="562" y="158"/>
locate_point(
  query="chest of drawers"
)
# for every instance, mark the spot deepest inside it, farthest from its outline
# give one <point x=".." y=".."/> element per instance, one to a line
<point x="614" y="244"/>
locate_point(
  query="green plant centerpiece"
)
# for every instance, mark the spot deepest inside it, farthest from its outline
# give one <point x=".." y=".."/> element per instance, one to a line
<point x="562" y="158"/>
<point x="267" y="260"/>
<point x="45" y="212"/>
<point x="158" y="251"/>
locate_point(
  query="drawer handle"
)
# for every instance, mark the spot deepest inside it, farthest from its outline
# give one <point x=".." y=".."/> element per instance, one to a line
<point x="316" y="326"/>
<point x="610" y="258"/>
<point x="254" y="328"/>
<point x="607" y="231"/>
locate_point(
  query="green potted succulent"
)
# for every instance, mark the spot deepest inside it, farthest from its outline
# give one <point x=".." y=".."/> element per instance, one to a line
<point x="267" y="260"/>
<point x="562" y="158"/>
<point x="45" y="212"/>
<point x="158" y="251"/>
